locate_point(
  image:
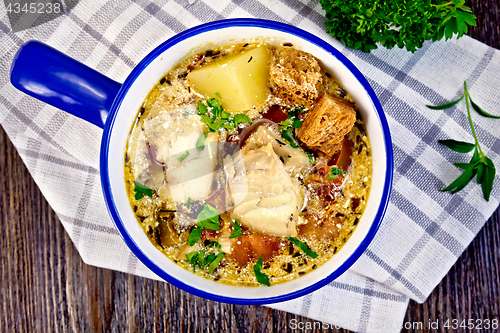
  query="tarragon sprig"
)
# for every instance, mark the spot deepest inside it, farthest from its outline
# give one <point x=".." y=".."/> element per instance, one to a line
<point x="480" y="165"/>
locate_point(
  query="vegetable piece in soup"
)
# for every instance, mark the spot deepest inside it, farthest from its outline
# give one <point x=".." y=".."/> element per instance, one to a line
<point x="249" y="164"/>
<point x="240" y="78"/>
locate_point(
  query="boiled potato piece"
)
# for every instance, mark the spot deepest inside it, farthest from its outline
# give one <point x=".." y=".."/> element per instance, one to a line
<point x="241" y="80"/>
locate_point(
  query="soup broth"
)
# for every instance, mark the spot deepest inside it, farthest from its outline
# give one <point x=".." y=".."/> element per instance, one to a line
<point x="248" y="164"/>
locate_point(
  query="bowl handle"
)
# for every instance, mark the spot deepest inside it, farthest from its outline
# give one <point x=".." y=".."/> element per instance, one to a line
<point x="54" y="78"/>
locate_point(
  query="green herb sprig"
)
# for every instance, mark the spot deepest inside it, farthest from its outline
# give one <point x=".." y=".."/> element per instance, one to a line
<point x="334" y="172"/>
<point x="183" y="157"/>
<point x="208" y="218"/>
<point x="363" y="24"/>
<point x="200" y="144"/>
<point x="287" y="125"/>
<point x="236" y="231"/>
<point x="141" y="190"/>
<point x="480" y="165"/>
<point x="201" y="259"/>
<point x="261" y="277"/>
<point x="219" y="118"/>
<point x="304" y="247"/>
<point x="213" y="243"/>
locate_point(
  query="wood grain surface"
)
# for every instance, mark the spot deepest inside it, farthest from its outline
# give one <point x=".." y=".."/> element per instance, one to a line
<point x="45" y="286"/>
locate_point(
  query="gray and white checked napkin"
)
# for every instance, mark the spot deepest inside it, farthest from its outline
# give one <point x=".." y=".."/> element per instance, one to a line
<point x="424" y="230"/>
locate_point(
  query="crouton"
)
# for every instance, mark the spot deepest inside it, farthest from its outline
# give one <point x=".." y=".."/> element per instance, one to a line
<point x="295" y="76"/>
<point x="325" y="126"/>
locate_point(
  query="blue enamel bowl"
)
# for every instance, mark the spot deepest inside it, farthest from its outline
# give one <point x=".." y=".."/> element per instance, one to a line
<point x="73" y="87"/>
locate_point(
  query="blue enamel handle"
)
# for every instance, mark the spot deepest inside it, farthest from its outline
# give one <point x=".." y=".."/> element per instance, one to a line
<point x="56" y="79"/>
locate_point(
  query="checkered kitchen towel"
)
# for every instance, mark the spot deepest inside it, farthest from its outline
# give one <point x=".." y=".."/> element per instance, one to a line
<point x="424" y="230"/>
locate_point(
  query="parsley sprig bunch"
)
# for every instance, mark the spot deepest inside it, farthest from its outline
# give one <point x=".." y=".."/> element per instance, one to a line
<point x="363" y="24"/>
<point x="480" y="165"/>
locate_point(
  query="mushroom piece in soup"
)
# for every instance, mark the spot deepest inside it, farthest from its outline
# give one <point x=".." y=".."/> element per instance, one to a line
<point x="249" y="164"/>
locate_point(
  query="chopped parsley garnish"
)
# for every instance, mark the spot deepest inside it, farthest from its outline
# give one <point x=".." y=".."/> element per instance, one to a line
<point x="241" y="118"/>
<point x="261" y="277"/>
<point x="297" y="123"/>
<point x="225" y="115"/>
<point x="215" y="263"/>
<point x="334" y="172"/>
<point x="208" y="218"/>
<point x="192" y="258"/>
<point x="183" y="157"/>
<point x="287" y="125"/>
<point x="294" y="113"/>
<point x="141" y="190"/>
<point x="208" y="259"/>
<point x="287" y="134"/>
<point x="201" y="141"/>
<point x="219" y="118"/>
<point x="214" y="243"/>
<point x="303" y="247"/>
<point x="200" y="259"/>
<point x="194" y="236"/>
<point x="217" y="109"/>
<point x="311" y="158"/>
<point x="202" y="108"/>
<point x="236" y="231"/>
<point x="189" y="202"/>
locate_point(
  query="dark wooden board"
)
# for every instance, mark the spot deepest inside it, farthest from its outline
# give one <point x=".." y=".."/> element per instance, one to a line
<point x="45" y="286"/>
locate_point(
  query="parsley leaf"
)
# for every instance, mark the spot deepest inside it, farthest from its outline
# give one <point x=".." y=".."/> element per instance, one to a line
<point x="365" y="23"/>
<point x="183" y="157"/>
<point x="303" y="247"/>
<point x="241" y="118"/>
<point x="479" y="165"/>
<point x="202" y="108"/>
<point x="201" y="141"/>
<point x="220" y="118"/>
<point x="208" y="259"/>
<point x="194" y="236"/>
<point x="287" y="134"/>
<point x="297" y="123"/>
<point x="141" y="190"/>
<point x="215" y="263"/>
<point x="200" y="259"/>
<point x="287" y="125"/>
<point x="261" y="277"/>
<point x="334" y="172"/>
<point x="294" y="113"/>
<point x="192" y="258"/>
<point x="311" y="158"/>
<point x="236" y="231"/>
<point x="214" y="243"/>
<point x="208" y="218"/>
